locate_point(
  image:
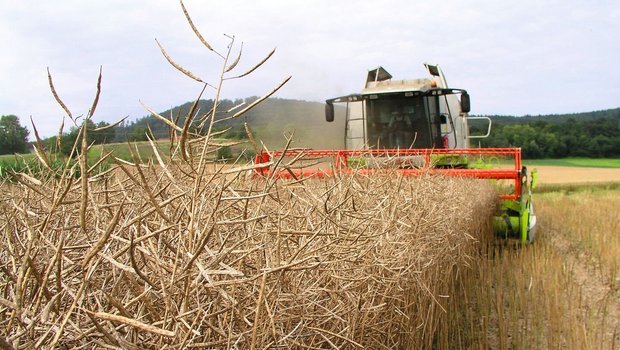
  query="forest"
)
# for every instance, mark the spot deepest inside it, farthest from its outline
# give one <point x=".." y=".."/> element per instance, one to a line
<point x="593" y="135"/>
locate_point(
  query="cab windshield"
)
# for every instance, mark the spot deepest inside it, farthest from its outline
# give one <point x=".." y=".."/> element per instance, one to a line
<point x="402" y="123"/>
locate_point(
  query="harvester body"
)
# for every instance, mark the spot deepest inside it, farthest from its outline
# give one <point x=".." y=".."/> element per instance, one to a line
<point x="413" y="113"/>
<point x="416" y="126"/>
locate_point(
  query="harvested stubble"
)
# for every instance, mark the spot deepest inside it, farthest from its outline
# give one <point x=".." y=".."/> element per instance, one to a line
<point x="173" y="260"/>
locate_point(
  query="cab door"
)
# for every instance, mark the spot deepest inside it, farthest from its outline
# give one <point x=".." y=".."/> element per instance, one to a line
<point x="355" y="126"/>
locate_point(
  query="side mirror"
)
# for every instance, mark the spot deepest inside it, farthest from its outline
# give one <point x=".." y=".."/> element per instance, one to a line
<point x="465" y="103"/>
<point x="329" y="112"/>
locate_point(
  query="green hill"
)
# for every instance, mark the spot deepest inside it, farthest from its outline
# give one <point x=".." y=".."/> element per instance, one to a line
<point x="270" y="121"/>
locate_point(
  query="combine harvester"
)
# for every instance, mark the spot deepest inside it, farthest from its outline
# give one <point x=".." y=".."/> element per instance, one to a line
<point x="416" y="127"/>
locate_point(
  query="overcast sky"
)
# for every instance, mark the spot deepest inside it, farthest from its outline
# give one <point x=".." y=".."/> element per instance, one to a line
<point x="514" y="57"/>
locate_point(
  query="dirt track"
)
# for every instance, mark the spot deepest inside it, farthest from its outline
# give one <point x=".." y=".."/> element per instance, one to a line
<point x="560" y="174"/>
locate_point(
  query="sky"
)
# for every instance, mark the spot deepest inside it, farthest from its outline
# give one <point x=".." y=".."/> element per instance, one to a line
<point x="514" y="57"/>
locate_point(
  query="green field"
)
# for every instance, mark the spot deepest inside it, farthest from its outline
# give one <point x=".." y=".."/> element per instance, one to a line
<point x="576" y="162"/>
<point x="29" y="162"/>
<point x="6" y="158"/>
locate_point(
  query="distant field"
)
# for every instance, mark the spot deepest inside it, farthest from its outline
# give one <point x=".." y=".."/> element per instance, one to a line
<point x="576" y="162"/>
<point x="574" y="175"/>
<point x="119" y="150"/>
<point x="12" y="157"/>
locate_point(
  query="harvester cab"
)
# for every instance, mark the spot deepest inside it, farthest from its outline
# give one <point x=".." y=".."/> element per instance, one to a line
<point x="416" y="127"/>
<point x="414" y="113"/>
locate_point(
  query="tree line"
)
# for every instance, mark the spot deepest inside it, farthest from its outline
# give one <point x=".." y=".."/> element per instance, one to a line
<point x="558" y="138"/>
<point x="594" y="134"/>
<point x="13" y="136"/>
